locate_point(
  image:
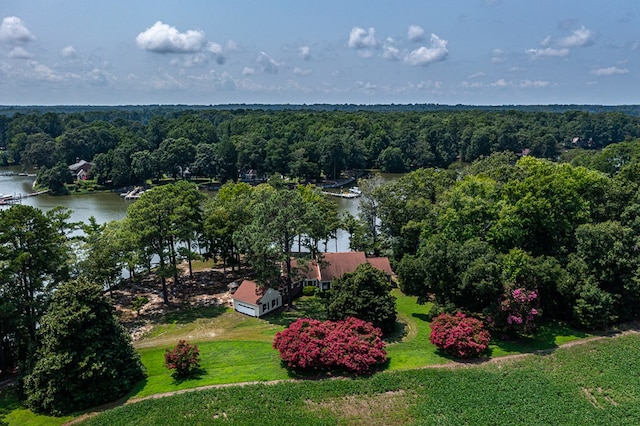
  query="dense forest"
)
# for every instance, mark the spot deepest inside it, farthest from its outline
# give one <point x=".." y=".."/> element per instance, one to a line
<point x="130" y="146"/>
<point x="512" y="217"/>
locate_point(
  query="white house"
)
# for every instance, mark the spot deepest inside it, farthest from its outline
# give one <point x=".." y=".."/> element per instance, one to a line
<point x="252" y="300"/>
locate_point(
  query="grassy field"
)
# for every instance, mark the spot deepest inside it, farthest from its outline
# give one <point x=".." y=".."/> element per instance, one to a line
<point x="595" y="383"/>
<point x="236" y="348"/>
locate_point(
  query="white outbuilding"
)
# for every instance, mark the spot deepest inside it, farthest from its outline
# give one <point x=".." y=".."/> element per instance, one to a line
<point x="253" y="300"/>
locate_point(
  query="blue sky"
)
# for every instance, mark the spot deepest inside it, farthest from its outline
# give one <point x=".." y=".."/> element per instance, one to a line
<point x="349" y="51"/>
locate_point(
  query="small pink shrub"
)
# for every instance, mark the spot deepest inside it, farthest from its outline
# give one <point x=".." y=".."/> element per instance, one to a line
<point x="353" y="345"/>
<point x="459" y="335"/>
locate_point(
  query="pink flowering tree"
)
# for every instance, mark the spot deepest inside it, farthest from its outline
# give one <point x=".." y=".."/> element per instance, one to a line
<point x="518" y="312"/>
<point x="351" y="345"/>
<point x="459" y="335"/>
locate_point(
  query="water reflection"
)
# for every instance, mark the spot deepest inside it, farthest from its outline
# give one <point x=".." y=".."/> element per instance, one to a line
<point x="108" y="206"/>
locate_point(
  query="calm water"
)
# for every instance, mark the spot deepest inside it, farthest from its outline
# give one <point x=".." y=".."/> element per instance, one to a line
<point x="110" y="206"/>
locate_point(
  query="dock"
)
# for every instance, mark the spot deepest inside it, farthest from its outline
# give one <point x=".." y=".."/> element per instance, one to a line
<point x="134" y="194"/>
<point x="17" y="198"/>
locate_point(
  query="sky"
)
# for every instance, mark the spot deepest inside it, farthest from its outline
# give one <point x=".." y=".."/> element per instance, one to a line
<point x="208" y="52"/>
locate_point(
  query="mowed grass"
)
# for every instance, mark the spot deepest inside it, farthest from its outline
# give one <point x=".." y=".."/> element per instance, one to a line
<point x="236" y="348"/>
<point x="12" y="413"/>
<point x="595" y="383"/>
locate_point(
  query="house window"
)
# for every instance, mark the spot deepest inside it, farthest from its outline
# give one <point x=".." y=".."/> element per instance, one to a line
<point x="274" y="302"/>
<point x="264" y="307"/>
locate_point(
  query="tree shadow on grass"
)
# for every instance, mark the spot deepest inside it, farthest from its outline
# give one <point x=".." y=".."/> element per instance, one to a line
<point x="8" y="401"/>
<point x="137" y="388"/>
<point x="543" y="342"/>
<point x="304" y="307"/>
<point x="319" y="374"/>
<point x="421" y="317"/>
<point x="398" y="333"/>
<point x="195" y="374"/>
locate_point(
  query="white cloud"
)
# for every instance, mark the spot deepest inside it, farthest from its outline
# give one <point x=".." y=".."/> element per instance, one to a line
<point x="13" y="30"/>
<point x="476" y="84"/>
<point x="560" y="48"/>
<point x="165" y="81"/>
<point x="501" y="83"/>
<point x="248" y="71"/>
<point x="476" y="75"/>
<point x="301" y="72"/>
<point x="359" y="38"/>
<point x="415" y="33"/>
<point x="534" y="83"/>
<point x="43" y="72"/>
<point x="579" y="38"/>
<point x="188" y="61"/>
<point x="367" y="87"/>
<point x="98" y="77"/>
<point x="217" y="52"/>
<point x="548" y="52"/>
<point x="19" y="53"/>
<point x="389" y="51"/>
<point x="437" y="51"/>
<point x="610" y="71"/>
<point x="304" y="52"/>
<point x="68" y="52"/>
<point x="163" y="38"/>
<point x="268" y="64"/>
<point x="498" y="56"/>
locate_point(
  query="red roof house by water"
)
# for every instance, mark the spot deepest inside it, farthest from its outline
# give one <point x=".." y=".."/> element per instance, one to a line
<point x="333" y="265"/>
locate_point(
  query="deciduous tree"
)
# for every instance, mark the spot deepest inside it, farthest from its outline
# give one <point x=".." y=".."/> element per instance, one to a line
<point x="84" y="356"/>
<point x="363" y="294"/>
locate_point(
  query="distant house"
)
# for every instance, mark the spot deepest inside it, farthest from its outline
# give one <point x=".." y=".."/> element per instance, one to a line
<point x="333" y="265"/>
<point x="252" y="300"/>
<point x="80" y="169"/>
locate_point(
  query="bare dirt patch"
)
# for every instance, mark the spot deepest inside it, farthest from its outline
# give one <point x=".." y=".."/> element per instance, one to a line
<point x="373" y="410"/>
<point x="204" y="288"/>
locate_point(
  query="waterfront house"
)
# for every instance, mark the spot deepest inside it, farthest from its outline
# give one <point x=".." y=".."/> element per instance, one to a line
<point x="80" y="169"/>
<point x="320" y="273"/>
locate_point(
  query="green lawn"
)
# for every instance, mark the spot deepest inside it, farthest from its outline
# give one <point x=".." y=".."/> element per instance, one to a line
<point x="12" y="413"/>
<point x="236" y="348"/>
<point x="596" y="383"/>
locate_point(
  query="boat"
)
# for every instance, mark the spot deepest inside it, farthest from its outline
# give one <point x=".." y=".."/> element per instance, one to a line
<point x="345" y="194"/>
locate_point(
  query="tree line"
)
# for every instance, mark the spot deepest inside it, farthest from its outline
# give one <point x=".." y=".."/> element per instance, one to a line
<point x="129" y="148"/>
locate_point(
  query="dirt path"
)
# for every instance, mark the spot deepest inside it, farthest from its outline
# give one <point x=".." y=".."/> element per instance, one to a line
<point x="631" y="329"/>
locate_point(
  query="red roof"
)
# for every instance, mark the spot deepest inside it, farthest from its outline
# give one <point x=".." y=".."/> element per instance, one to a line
<point x="249" y="292"/>
<point x="381" y="263"/>
<point x="308" y="270"/>
<point x="334" y="265"/>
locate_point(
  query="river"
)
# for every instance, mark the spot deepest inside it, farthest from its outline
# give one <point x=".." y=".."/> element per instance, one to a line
<point x="108" y="206"/>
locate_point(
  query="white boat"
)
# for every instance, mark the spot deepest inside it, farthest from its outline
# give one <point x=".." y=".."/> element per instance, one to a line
<point x="355" y="190"/>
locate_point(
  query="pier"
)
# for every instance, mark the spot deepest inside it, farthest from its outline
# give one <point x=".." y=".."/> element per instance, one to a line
<point x="134" y="194"/>
<point x="17" y="198"/>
